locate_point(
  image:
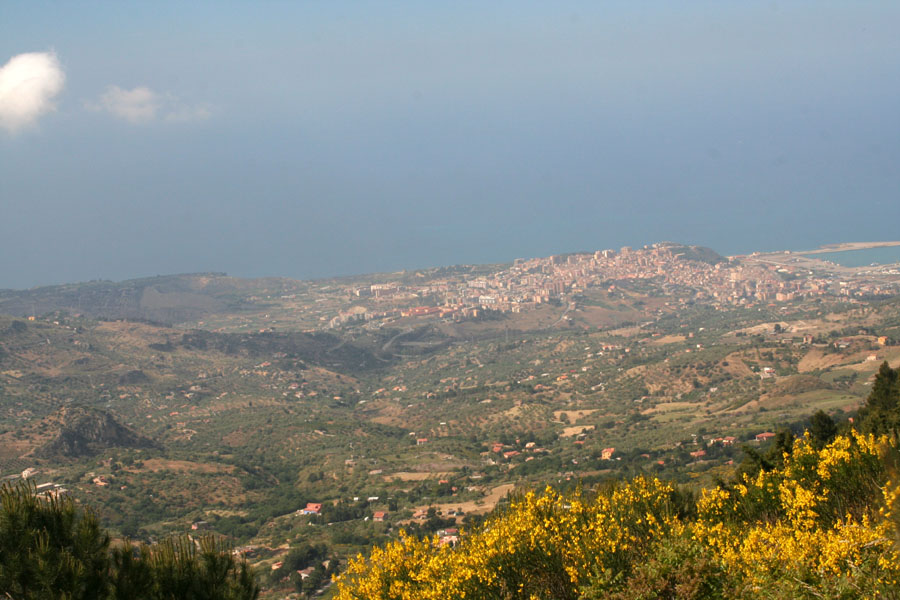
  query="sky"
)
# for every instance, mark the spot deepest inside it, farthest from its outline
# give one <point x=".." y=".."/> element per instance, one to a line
<point x="312" y="139"/>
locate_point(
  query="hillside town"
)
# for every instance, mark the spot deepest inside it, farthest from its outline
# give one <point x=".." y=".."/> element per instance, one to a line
<point x="675" y="270"/>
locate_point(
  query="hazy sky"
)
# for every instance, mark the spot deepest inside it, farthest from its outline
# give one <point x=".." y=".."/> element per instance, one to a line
<point x="308" y="139"/>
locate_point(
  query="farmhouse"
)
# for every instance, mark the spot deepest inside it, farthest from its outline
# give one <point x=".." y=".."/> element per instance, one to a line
<point x="312" y="508"/>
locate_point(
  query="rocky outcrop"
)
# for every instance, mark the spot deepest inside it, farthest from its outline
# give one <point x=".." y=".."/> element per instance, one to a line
<point x="86" y="431"/>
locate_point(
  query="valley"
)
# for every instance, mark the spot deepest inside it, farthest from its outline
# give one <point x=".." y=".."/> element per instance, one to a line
<point x="308" y="420"/>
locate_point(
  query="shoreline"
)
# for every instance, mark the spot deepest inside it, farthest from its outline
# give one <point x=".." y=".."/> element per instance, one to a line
<point x="846" y="247"/>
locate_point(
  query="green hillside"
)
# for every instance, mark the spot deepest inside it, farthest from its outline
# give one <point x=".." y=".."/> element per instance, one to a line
<point x="234" y="421"/>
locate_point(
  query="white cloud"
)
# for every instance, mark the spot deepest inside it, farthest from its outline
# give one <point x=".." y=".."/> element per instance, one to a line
<point x="28" y="84"/>
<point x="137" y="105"/>
<point x="142" y="105"/>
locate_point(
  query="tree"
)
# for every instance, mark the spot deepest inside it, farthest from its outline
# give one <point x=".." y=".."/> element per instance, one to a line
<point x="52" y="548"/>
<point x="881" y="413"/>
<point x="755" y="461"/>
<point x="48" y="547"/>
<point x="822" y="428"/>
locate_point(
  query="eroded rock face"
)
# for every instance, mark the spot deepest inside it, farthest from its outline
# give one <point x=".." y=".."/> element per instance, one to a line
<point x="86" y="431"/>
<point x="134" y="377"/>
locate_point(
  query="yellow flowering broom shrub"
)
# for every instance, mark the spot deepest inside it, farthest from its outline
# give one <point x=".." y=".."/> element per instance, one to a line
<point x="545" y="546"/>
<point x="819" y="527"/>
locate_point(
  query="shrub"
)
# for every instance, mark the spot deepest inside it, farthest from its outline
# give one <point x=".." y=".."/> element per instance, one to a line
<point x="820" y="524"/>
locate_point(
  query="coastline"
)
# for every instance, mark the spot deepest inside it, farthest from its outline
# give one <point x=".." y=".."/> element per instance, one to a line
<point x="846" y="246"/>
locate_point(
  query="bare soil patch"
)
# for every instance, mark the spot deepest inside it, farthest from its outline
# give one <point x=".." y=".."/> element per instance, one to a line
<point x="635" y="371"/>
<point x="817" y="359"/>
<point x="416" y="476"/>
<point x="478" y="507"/>
<point x="669" y="406"/>
<point x="183" y="466"/>
<point x="572" y="415"/>
<point x="736" y="365"/>
<point x="596" y="316"/>
<point x="626" y="331"/>
<point x="575" y="430"/>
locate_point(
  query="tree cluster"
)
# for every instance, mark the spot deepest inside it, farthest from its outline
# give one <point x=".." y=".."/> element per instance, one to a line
<point x="50" y="548"/>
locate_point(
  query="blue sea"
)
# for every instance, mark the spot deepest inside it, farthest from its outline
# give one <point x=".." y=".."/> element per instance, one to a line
<point x="859" y="258"/>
